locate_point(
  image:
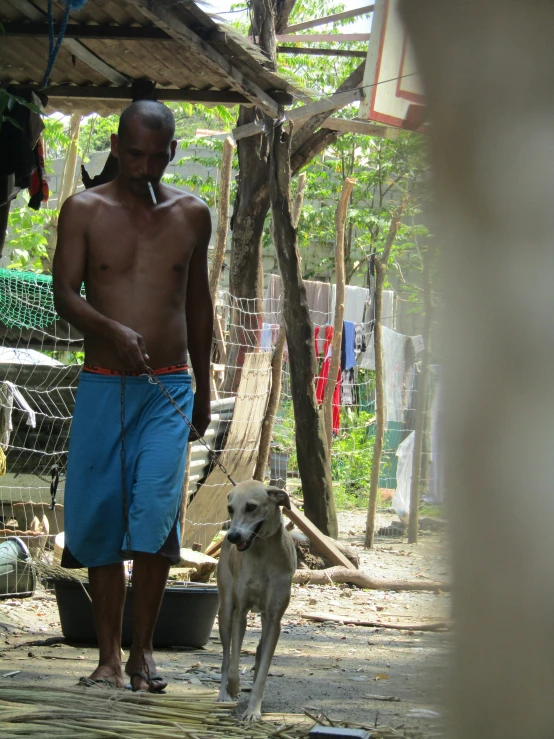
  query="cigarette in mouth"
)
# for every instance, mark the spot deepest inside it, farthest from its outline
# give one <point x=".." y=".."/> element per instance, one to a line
<point x="152" y="194"/>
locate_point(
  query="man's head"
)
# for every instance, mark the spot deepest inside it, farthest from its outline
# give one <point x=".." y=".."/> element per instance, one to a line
<point x="144" y="144"/>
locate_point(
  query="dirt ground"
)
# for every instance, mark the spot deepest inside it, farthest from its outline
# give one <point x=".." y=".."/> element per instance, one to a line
<point x="343" y="671"/>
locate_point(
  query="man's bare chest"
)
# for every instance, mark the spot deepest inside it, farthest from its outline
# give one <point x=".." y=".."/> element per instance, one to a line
<point x="152" y="247"/>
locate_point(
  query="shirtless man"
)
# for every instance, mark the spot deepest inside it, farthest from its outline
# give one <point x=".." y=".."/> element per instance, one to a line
<point x="148" y="303"/>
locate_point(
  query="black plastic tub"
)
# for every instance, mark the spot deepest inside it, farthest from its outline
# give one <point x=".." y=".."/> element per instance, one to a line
<point x="186" y="618"/>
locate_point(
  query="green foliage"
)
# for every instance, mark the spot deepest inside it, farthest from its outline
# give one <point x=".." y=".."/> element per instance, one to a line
<point x="351" y="456"/>
<point x="7" y="101"/>
<point x="27" y="237"/>
<point x="352" y="459"/>
<point x="385" y="172"/>
<point x="27" y="228"/>
<point x="56" y="139"/>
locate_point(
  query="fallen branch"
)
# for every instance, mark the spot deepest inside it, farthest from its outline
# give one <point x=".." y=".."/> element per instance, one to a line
<point x="362" y="580"/>
<point x="439" y="626"/>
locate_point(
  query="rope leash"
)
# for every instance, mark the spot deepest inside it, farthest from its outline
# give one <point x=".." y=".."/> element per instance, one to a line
<point x="153" y="378"/>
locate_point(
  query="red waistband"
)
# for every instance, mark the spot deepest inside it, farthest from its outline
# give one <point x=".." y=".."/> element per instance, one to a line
<point x="119" y="373"/>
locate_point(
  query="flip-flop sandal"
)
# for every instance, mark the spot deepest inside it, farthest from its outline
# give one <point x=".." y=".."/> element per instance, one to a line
<point x="149" y="680"/>
<point x="100" y="682"/>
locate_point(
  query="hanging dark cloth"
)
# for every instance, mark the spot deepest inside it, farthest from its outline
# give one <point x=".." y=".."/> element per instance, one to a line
<point x="38" y="189"/>
<point x="19" y="138"/>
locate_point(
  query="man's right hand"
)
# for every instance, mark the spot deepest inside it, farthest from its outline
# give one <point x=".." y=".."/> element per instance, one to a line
<point x="130" y="348"/>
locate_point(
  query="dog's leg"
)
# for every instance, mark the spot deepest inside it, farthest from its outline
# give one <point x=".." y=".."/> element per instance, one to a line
<point x="225" y="618"/>
<point x="239" y="627"/>
<point x="259" y="649"/>
<point x="270" y="637"/>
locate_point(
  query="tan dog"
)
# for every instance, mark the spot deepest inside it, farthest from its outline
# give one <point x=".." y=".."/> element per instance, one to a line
<point x="255" y="570"/>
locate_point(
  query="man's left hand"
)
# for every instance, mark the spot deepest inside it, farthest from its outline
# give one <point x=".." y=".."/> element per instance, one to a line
<point x="201" y="416"/>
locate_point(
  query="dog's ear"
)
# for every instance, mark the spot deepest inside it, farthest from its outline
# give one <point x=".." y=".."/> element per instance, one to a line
<point x="279" y="496"/>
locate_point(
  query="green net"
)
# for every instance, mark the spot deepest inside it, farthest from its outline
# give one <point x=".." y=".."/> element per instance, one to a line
<point x="26" y="300"/>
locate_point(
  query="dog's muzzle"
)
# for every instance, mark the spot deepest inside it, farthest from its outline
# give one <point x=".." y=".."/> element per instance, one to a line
<point x="242" y="545"/>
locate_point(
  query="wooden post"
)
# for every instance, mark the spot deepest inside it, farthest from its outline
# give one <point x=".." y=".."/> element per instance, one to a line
<point x="311" y="444"/>
<point x="381" y="269"/>
<point x="340" y="222"/>
<point x="222" y="215"/>
<point x="379" y="407"/>
<point x="277" y="362"/>
<point x="70" y="165"/>
<point x="67" y="188"/>
<point x="422" y="406"/>
<point x="185" y="494"/>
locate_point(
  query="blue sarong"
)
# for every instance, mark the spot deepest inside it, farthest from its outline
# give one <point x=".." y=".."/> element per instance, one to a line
<point x="156" y="439"/>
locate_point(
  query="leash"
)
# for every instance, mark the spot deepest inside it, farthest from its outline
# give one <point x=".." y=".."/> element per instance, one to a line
<point x="154" y="379"/>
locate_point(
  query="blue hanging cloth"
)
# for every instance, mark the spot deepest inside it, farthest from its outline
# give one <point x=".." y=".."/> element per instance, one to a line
<point x="54" y="46"/>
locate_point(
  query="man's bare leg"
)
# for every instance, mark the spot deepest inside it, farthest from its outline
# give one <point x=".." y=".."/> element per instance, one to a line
<point x="150" y="573"/>
<point x="107" y="589"/>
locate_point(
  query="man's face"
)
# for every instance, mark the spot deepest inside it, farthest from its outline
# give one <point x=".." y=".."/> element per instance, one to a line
<point x="143" y="154"/>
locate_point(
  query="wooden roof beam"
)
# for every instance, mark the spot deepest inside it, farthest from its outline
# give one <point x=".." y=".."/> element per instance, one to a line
<point x="330" y="19"/>
<point x="320" y="52"/>
<point x="308" y="38"/>
<point x="73" y="46"/>
<point x="87" y="31"/>
<point x="218" y="97"/>
<point x="163" y="13"/>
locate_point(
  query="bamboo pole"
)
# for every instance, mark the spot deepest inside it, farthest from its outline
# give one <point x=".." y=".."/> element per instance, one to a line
<point x="277" y="361"/>
<point x="340" y="223"/>
<point x="381" y="269"/>
<point x="421" y="407"/>
<point x="70" y="165"/>
<point x="67" y="188"/>
<point x="222" y="215"/>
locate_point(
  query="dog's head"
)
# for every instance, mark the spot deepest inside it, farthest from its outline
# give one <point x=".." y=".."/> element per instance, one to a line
<point x="254" y="511"/>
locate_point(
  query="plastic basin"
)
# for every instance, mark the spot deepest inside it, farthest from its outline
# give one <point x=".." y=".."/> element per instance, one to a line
<point x="186" y="619"/>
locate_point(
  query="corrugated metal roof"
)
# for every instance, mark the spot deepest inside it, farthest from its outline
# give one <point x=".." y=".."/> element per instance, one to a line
<point x="108" y="45"/>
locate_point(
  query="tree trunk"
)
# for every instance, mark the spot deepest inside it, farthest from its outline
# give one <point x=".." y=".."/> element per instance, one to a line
<point x="246" y="277"/>
<point x="340" y="221"/>
<point x="421" y="407"/>
<point x="379" y="409"/>
<point x="277" y="364"/>
<point x="313" y="456"/>
<point x="222" y="215"/>
<point x="381" y="269"/>
<point x="249" y="213"/>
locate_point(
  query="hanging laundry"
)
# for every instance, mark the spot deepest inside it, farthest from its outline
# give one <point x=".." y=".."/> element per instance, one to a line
<point x="272" y="300"/>
<point x="321" y="381"/>
<point x="317" y="331"/>
<point x="318" y="295"/>
<point x="9" y="393"/>
<point x="19" y="138"/>
<point x="348" y="388"/>
<point x="387" y="309"/>
<point x="348" y="351"/>
<point x="359" y="339"/>
<point x="38" y="189"/>
<point x="355" y="300"/>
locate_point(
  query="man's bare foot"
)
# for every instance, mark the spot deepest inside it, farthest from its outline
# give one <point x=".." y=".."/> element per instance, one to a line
<point x="108" y="674"/>
<point x="141" y="669"/>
